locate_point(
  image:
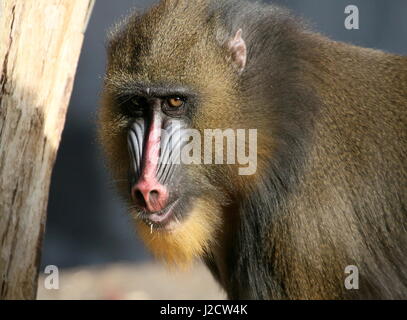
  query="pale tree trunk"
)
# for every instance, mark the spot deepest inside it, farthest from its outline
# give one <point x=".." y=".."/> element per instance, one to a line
<point x="40" y="42"/>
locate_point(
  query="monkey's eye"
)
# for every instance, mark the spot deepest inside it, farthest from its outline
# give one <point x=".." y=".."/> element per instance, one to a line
<point x="175" y="102"/>
<point x="174" y="106"/>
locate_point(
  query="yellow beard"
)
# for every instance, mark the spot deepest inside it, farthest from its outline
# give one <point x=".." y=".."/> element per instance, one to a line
<point x="189" y="240"/>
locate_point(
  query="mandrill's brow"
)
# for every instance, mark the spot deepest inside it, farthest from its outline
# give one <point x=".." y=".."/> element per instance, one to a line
<point x="155" y="90"/>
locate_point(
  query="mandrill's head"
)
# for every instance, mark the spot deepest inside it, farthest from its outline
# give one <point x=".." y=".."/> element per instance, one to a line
<point x="174" y="68"/>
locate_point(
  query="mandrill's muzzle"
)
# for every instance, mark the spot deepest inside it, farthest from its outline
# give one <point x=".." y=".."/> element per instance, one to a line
<point x="155" y="153"/>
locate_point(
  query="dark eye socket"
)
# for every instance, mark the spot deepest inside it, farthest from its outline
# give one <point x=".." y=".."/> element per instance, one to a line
<point x="133" y="106"/>
<point x="138" y="101"/>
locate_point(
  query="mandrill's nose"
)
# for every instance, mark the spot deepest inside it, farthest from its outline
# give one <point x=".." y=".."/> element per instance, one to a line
<point x="150" y="195"/>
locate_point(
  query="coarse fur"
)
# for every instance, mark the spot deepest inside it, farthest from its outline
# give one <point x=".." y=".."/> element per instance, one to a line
<point x="331" y="185"/>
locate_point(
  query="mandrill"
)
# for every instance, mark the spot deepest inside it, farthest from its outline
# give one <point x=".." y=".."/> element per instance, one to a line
<point x="329" y="189"/>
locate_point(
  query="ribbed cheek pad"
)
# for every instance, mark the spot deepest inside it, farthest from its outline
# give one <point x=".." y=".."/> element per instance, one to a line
<point x="173" y="137"/>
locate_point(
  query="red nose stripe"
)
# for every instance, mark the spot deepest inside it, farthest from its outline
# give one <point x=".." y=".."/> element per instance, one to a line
<point x="152" y="149"/>
<point x="155" y="194"/>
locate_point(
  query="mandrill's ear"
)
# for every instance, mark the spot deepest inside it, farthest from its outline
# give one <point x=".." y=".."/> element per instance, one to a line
<point x="238" y="50"/>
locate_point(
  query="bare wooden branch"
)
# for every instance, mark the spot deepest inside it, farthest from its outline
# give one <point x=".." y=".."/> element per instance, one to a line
<point x="40" y="42"/>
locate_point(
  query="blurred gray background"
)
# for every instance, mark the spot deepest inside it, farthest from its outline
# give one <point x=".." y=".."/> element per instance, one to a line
<point x="87" y="225"/>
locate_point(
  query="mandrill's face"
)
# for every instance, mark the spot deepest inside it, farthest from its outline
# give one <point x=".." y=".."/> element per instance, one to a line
<point x="144" y="129"/>
<point x="162" y="90"/>
<point x="161" y="186"/>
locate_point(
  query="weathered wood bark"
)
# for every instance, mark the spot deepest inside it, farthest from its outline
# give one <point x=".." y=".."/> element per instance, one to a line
<point x="40" y="42"/>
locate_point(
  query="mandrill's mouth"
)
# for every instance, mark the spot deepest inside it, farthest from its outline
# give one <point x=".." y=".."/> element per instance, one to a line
<point x="165" y="219"/>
